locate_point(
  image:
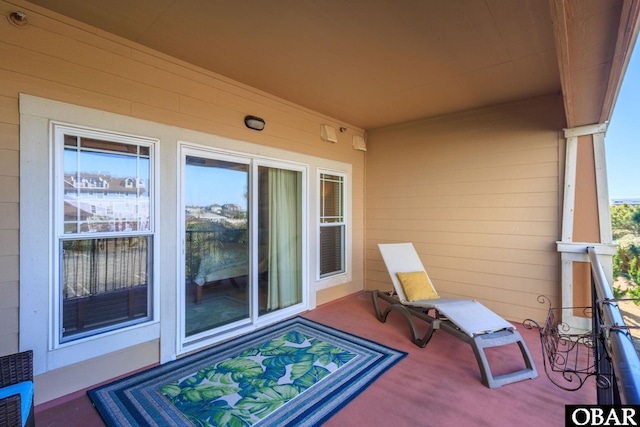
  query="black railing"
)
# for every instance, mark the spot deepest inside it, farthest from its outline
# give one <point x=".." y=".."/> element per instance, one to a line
<point x="615" y="354"/>
<point x="104" y="283"/>
<point x="606" y="352"/>
<point x="206" y="242"/>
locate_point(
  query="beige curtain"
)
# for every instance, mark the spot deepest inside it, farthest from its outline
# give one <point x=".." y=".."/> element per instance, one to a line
<point x="285" y="249"/>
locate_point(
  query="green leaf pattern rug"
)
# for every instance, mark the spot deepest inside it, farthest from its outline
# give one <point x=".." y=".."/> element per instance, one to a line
<point x="294" y="373"/>
<point x="244" y="389"/>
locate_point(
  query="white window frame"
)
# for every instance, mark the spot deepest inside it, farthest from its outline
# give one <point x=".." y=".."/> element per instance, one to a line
<point x="36" y="214"/>
<point x="38" y="280"/>
<point x="189" y="344"/>
<point x="58" y="130"/>
<point x="343" y="276"/>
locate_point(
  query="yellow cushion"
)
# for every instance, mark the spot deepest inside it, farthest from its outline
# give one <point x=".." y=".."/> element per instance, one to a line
<point x="416" y="286"/>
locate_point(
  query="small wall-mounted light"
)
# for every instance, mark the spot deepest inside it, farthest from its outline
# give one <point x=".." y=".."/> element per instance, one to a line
<point x="253" y="122"/>
<point x="327" y="133"/>
<point x="18" y="19"/>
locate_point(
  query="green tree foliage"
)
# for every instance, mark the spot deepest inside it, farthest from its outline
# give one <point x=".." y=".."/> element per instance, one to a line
<point x="625" y="226"/>
<point x="625" y="220"/>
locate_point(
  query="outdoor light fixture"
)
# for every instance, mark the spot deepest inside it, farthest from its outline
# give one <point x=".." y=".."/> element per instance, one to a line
<point x="253" y="122"/>
<point x="18" y="19"/>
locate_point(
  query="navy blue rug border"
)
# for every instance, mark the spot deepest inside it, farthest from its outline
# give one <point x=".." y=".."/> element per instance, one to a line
<point x="309" y="415"/>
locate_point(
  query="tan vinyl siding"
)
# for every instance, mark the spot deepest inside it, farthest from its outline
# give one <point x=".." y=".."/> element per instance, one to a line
<point x="478" y="195"/>
<point x="62" y="60"/>
<point x="9" y="224"/>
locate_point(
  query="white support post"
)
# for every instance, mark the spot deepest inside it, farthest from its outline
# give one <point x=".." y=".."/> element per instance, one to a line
<point x="577" y="251"/>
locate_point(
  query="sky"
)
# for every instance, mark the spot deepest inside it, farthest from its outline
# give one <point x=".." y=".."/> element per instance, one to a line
<point x="622" y="140"/>
<point x="207" y="186"/>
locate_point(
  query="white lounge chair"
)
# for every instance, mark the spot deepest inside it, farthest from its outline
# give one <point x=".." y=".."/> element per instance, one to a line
<point x="465" y="319"/>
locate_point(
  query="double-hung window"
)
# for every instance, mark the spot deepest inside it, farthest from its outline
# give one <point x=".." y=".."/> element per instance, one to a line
<point x="103" y="243"/>
<point x="332" y="224"/>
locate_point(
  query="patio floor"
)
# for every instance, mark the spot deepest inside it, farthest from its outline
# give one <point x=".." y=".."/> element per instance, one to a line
<point x="435" y="386"/>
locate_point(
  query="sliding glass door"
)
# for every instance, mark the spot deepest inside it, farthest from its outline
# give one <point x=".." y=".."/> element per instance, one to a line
<point x="279" y="238"/>
<point x="243" y="242"/>
<point x="216" y="212"/>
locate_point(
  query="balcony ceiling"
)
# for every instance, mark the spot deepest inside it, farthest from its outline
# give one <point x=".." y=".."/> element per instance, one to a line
<point x="375" y="63"/>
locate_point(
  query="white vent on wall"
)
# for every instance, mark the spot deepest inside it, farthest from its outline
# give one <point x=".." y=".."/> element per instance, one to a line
<point x="327" y="133"/>
<point x="358" y="143"/>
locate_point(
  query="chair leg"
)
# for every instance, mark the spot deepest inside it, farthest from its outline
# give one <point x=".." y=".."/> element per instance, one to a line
<point x="394" y="305"/>
<point x="478" y="342"/>
<point x="496" y="339"/>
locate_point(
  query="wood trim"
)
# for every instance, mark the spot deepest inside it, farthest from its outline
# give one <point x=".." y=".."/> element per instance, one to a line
<point x="602" y="188"/>
<point x="585" y="130"/>
<point x="627" y="35"/>
<point x="559" y="17"/>
<point x="569" y="189"/>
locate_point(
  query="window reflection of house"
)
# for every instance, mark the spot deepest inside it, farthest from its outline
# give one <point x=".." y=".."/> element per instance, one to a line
<point x="105" y="198"/>
<point x="231" y="210"/>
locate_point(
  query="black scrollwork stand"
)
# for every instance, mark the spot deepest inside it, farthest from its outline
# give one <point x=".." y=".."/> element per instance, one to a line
<point x="569" y="355"/>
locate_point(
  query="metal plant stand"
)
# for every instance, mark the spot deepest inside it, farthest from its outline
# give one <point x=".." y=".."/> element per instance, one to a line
<point x="572" y="356"/>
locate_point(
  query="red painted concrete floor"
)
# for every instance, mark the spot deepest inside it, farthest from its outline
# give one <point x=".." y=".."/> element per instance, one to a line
<point x="434" y="386"/>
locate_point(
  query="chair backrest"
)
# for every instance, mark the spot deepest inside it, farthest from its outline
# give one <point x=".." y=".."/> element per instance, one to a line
<point x="400" y="258"/>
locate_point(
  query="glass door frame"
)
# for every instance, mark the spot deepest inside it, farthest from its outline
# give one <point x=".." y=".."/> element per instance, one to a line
<point x="282" y="313"/>
<point x="186" y="344"/>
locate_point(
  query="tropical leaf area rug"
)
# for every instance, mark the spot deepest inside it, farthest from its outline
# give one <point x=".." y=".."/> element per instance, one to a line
<point x="297" y="372"/>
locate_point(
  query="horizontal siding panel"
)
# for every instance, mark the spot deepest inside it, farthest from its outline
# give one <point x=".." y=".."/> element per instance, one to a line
<point x="444" y="160"/>
<point x="519" y="256"/>
<point x="277" y="138"/>
<point x="9" y="135"/>
<point x="9" y="343"/>
<point x="58" y="24"/>
<point x="9" y="295"/>
<point x="396" y="177"/>
<point x="297" y="118"/>
<point x="548" y="199"/>
<point x="506" y="270"/>
<point x="9" y="268"/>
<point x="9" y="189"/>
<point x="9" y="242"/>
<point x="12" y="84"/>
<point x="478" y="194"/>
<point x="9" y="163"/>
<point x="427" y="188"/>
<point x="470" y="228"/>
<point x="9" y="110"/>
<point x="10" y="214"/>
<point x="86" y="78"/>
<point x="118" y="65"/>
<point x="493" y="289"/>
<point x="532" y="214"/>
<point x="194" y="85"/>
<point x="481" y="259"/>
<point x="486" y="242"/>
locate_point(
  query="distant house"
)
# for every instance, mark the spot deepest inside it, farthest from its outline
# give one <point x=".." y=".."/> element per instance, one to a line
<point x="231" y="210"/>
<point x="105" y="202"/>
<point x="632" y="202"/>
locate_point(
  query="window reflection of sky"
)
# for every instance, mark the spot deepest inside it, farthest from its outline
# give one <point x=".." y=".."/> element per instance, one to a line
<point x="206" y="186"/>
<point x="115" y="165"/>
